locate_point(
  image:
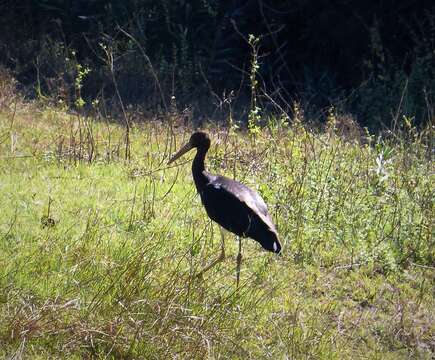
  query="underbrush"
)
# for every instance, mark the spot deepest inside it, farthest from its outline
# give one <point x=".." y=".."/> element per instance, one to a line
<point x="98" y="253"/>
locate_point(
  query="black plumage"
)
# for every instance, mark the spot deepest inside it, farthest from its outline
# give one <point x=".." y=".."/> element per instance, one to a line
<point x="240" y="210"/>
<point x="231" y="204"/>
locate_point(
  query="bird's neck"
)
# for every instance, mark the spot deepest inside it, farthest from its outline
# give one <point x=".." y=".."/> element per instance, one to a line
<point x="198" y="169"/>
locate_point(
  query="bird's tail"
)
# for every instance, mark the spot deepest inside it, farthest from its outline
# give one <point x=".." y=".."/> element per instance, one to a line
<point x="269" y="240"/>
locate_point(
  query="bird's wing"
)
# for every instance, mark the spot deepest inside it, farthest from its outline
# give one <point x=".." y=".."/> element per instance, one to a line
<point x="248" y="196"/>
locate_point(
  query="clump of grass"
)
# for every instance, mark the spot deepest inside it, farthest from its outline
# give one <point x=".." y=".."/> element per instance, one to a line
<point x="113" y="273"/>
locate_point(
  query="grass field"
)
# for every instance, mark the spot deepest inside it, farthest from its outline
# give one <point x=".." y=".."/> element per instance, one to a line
<point x="98" y="254"/>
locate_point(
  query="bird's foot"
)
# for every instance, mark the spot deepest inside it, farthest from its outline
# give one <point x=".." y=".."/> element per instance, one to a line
<point x="212" y="264"/>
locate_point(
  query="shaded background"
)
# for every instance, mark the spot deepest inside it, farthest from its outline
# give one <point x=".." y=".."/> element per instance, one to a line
<point x="374" y="60"/>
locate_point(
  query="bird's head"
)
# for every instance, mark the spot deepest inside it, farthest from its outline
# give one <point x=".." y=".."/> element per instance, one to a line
<point x="199" y="139"/>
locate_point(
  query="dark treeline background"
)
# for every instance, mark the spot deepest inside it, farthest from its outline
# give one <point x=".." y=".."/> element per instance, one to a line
<point x="372" y="59"/>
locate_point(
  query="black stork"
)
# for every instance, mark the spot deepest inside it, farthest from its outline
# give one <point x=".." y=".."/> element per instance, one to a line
<point x="231" y="204"/>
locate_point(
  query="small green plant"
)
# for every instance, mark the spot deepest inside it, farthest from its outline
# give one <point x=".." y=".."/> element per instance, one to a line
<point x="331" y="119"/>
<point x="298" y="118"/>
<point x="81" y="73"/>
<point x="254" y="116"/>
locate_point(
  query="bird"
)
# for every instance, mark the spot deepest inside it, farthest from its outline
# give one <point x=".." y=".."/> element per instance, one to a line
<point x="234" y="206"/>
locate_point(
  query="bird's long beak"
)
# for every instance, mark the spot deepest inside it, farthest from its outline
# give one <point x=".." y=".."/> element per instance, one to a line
<point x="181" y="152"/>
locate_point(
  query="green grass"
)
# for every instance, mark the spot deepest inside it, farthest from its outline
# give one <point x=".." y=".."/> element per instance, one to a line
<point x="97" y="256"/>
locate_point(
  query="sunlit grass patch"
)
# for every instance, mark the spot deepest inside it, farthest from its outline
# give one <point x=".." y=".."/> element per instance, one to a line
<point x="98" y="253"/>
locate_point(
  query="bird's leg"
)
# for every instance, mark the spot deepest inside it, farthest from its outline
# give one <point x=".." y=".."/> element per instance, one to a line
<point x="220" y="258"/>
<point x="239" y="260"/>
